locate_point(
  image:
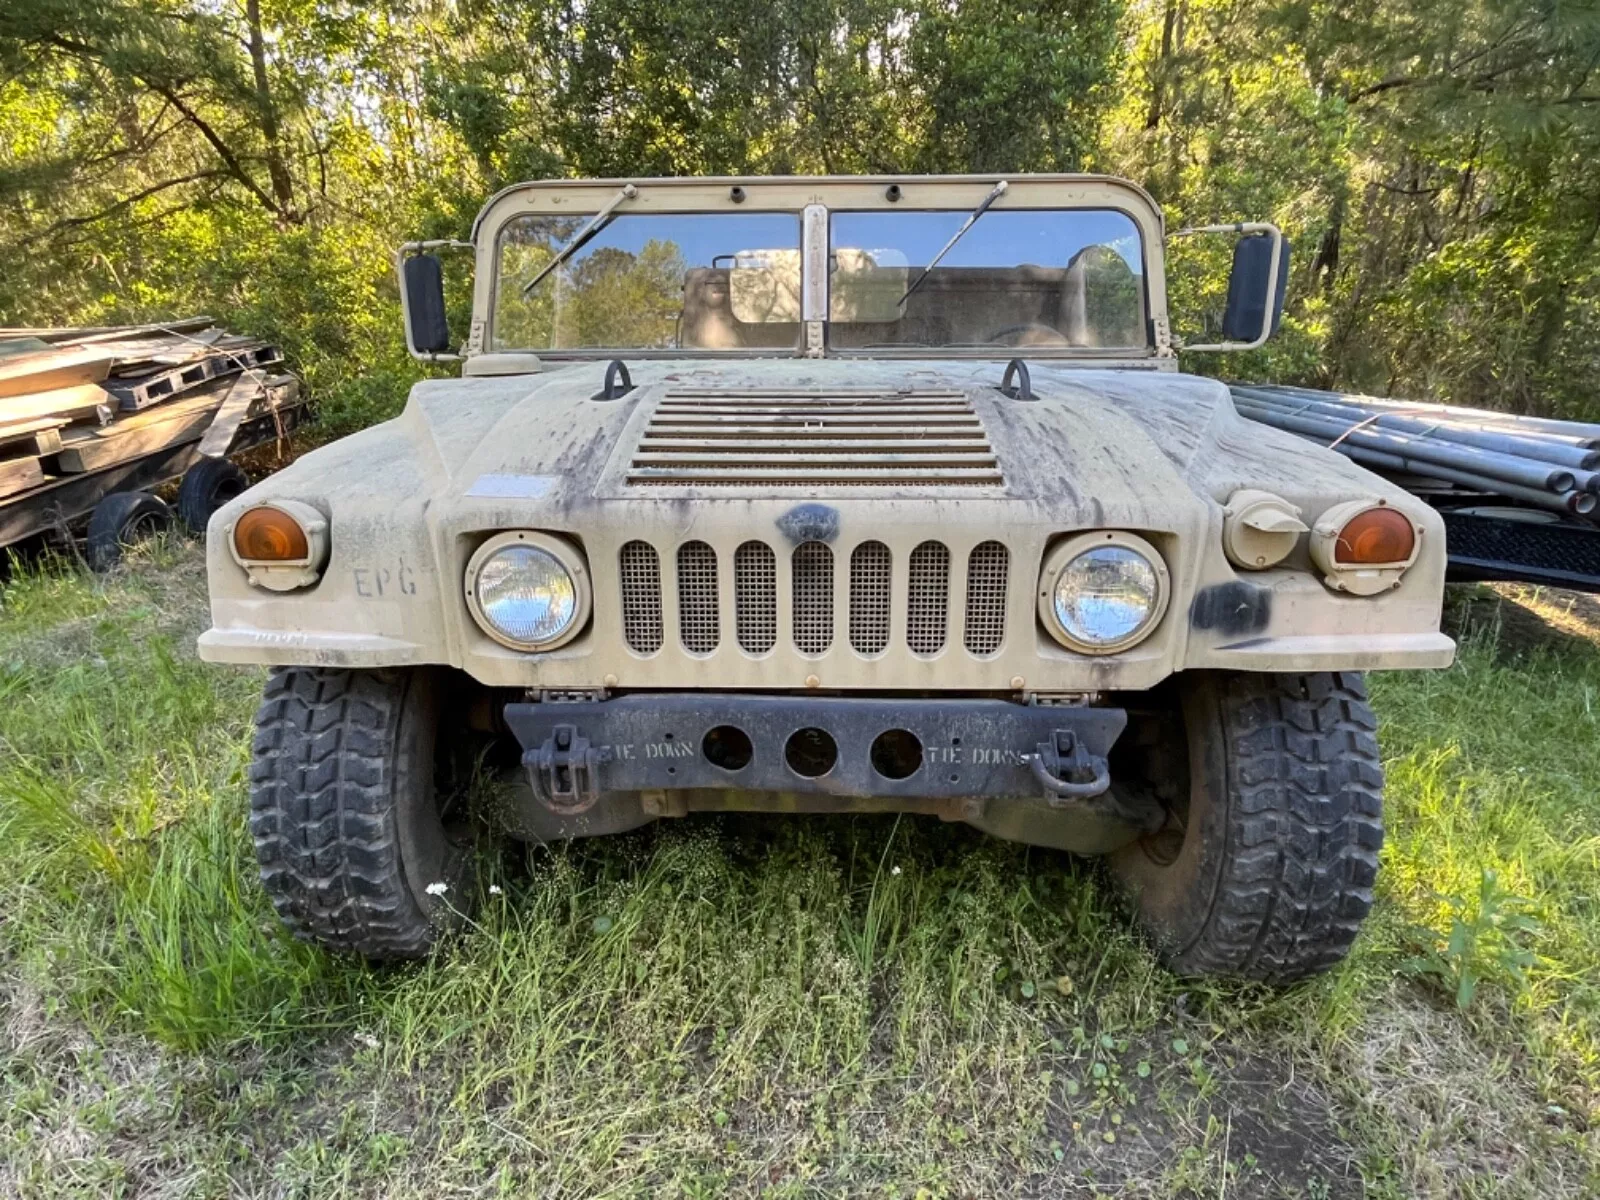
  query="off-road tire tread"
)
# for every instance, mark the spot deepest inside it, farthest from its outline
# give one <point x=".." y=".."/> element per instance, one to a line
<point x="1304" y="827"/>
<point x="322" y="811"/>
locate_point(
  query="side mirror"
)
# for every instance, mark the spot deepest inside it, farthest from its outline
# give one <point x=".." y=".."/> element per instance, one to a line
<point x="427" y="332"/>
<point x="1257" y="285"/>
<point x="1253" y="290"/>
<point x="422" y="300"/>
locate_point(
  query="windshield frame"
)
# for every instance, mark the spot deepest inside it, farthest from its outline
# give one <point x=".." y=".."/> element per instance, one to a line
<point x="824" y="195"/>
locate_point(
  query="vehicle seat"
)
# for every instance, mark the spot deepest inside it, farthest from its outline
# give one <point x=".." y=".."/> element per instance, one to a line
<point x="708" y="322"/>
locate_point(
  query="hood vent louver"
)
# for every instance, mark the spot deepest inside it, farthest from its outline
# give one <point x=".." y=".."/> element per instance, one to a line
<point x="797" y="438"/>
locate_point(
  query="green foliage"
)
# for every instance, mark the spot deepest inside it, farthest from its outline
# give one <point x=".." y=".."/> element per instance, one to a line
<point x="1487" y="940"/>
<point x="1432" y="163"/>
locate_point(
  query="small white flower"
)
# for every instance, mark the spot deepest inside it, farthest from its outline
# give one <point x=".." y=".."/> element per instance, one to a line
<point x="494" y="890"/>
<point x="894" y="870"/>
<point x="437" y="889"/>
<point x="367" y="1040"/>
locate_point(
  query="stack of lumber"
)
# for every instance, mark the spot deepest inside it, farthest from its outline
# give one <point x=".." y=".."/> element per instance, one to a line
<point x="81" y="400"/>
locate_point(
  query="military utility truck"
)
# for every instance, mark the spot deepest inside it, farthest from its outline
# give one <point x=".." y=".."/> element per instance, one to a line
<point x="829" y="495"/>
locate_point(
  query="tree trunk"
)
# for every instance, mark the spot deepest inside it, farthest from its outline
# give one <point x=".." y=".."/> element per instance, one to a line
<point x="1158" y="77"/>
<point x="277" y="170"/>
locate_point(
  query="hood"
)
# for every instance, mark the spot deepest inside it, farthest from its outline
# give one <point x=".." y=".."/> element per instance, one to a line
<point x="1094" y="446"/>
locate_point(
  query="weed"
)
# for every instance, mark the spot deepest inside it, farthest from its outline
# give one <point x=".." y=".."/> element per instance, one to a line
<point x="1487" y="940"/>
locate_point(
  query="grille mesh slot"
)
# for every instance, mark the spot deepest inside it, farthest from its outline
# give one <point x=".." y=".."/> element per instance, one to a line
<point x="755" y="591"/>
<point x="869" y="598"/>
<point x="813" y="597"/>
<point x="988" y="567"/>
<point x="859" y="438"/>
<point x="928" y="598"/>
<point x="641" y="596"/>
<point x="699" y="622"/>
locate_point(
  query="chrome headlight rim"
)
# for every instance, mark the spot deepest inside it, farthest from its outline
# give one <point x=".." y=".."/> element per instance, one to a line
<point x="1062" y="555"/>
<point x="564" y="552"/>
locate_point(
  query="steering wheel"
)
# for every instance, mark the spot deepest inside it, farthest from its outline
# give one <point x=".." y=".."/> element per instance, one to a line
<point x="1055" y="336"/>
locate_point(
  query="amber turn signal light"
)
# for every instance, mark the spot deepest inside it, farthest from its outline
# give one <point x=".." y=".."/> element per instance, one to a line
<point x="1376" y="537"/>
<point x="270" y="535"/>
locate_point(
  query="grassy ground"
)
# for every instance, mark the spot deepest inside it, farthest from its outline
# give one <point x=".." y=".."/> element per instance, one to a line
<point x="800" y="1007"/>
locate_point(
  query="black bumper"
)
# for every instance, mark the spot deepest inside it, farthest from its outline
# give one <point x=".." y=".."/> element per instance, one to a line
<point x="930" y="749"/>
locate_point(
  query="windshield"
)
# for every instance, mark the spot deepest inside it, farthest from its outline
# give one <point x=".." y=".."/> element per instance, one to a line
<point x="1046" y="278"/>
<point x="650" y="281"/>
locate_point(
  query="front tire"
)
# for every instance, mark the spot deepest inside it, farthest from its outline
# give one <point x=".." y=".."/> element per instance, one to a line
<point x="345" y="813"/>
<point x="1266" y="866"/>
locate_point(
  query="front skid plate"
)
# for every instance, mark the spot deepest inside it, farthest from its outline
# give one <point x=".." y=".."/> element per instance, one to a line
<point x="968" y="747"/>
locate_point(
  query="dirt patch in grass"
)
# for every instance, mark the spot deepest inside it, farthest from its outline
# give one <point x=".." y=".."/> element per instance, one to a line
<point x="1518" y="619"/>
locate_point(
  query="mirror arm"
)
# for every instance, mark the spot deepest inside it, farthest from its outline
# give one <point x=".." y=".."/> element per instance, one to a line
<point x="1244" y="228"/>
<point x="406" y="250"/>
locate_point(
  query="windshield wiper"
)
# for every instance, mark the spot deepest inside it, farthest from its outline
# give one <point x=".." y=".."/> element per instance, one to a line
<point x="999" y="190"/>
<point x="596" y="223"/>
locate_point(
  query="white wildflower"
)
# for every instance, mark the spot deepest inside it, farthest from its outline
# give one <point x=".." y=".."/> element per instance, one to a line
<point x="494" y="890"/>
<point x="894" y="870"/>
<point x="367" y="1040"/>
<point x="437" y="889"/>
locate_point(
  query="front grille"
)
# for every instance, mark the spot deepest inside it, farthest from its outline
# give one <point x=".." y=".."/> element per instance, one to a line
<point x="987" y="569"/>
<point x="928" y="606"/>
<point x="813" y="597"/>
<point x="641" y="596"/>
<point x="699" y="623"/>
<point x="755" y="594"/>
<point x="869" y="598"/>
<point x="844" y="438"/>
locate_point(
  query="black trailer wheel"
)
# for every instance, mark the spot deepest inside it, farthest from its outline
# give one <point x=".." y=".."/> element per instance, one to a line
<point x="119" y="520"/>
<point x="206" y="487"/>
<point x="1265" y="868"/>
<point x="354" y="850"/>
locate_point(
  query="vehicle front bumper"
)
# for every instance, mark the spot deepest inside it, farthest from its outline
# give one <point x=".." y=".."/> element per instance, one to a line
<point x="1033" y="773"/>
<point x="801" y="745"/>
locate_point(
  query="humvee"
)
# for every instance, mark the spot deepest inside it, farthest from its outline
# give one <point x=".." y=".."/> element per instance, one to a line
<point x="828" y="495"/>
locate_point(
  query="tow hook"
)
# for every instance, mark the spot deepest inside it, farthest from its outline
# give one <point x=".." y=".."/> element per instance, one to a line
<point x="563" y="769"/>
<point x="1067" y="771"/>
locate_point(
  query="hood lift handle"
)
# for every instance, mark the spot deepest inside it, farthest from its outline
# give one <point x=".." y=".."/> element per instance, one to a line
<point x="1023" y="388"/>
<point x="616" y="373"/>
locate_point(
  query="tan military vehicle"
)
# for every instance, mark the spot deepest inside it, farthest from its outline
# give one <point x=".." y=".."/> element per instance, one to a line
<point x="819" y="496"/>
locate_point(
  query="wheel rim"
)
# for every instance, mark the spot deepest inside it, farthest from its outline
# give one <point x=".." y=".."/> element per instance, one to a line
<point x="143" y="526"/>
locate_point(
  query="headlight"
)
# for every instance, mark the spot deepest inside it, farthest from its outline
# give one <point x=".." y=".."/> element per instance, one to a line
<point x="528" y="591"/>
<point x="1102" y="592"/>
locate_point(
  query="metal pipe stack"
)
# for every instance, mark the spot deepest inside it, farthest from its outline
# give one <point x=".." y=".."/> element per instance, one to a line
<point x="1550" y="464"/>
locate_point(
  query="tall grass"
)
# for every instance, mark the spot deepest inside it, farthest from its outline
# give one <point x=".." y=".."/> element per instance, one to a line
<point x="801" y="1003"/>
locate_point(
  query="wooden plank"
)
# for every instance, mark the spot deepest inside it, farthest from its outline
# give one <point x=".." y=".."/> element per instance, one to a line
<point x="219" y="435"/>
<point x="170" y="424"/>
<point x="92" y="453"/>
<point x="26" y="374"/>
<point x="19" y="474"/>
<point x="82" y="336"/>
<point x="31" y="438"/>
<point x="68" y="499"/>
<point x="87" y="401"/>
